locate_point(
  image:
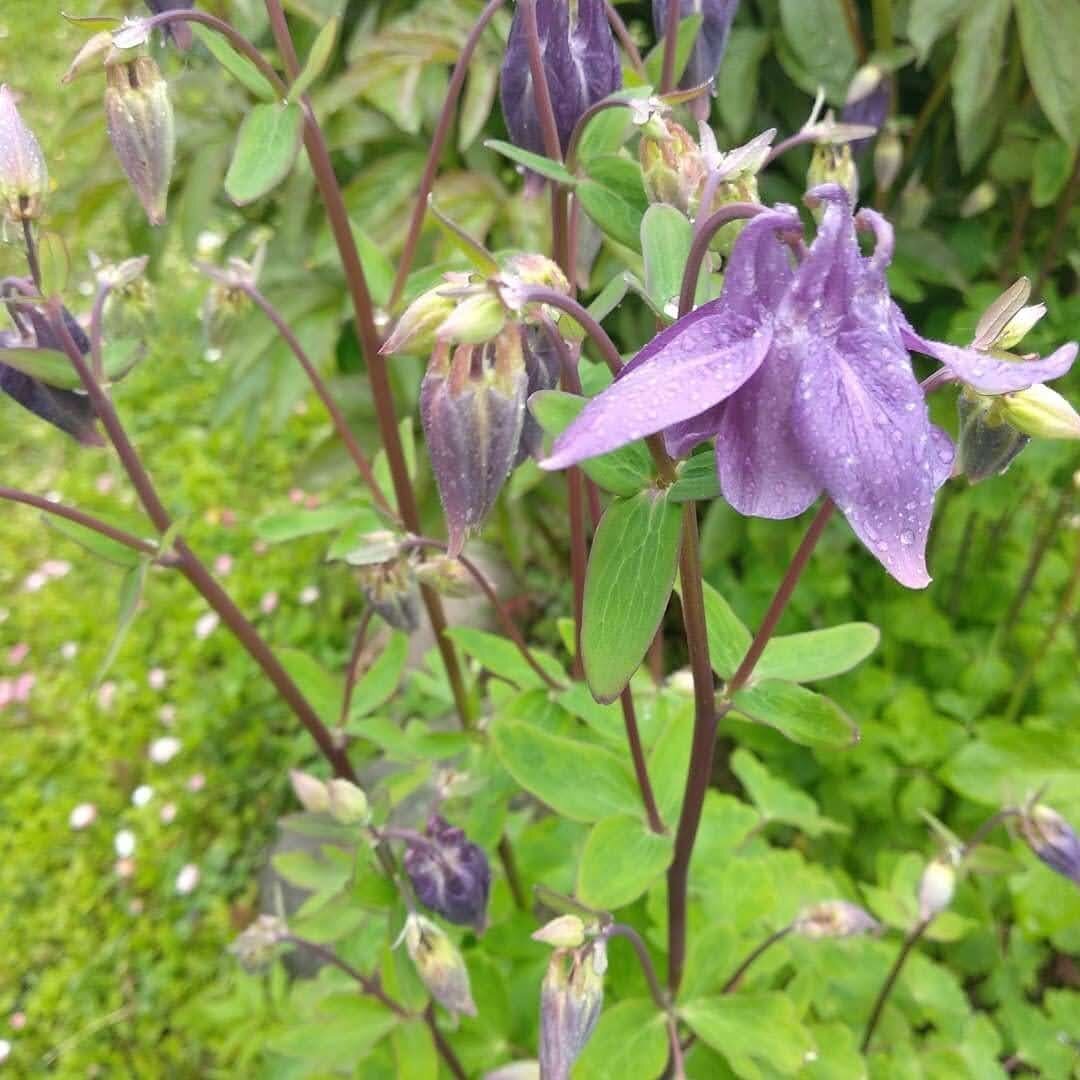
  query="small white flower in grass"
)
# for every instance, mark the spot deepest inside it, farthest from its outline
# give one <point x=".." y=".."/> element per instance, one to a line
<point x="124" y="843"/>
<point x="206" y="625"/>
<point x="18" y="1020"/>
<point x="21" y="687"/>
<point x="136" y="907"/>
<point x="56" y="568"/>
<point x="268" y="603"/>
<point x="106" y="694"/>
<point x="309" y="595"/>
<point x="69" y="650"/>
<point x="260" y="547"/>
<point x="157" y="678"/>
<point x="35" y="581"/>
<point x="168" y="813"/>
<point x="163" y="750"/>
<point x="212" y="356"/>
<point x="5" y="1050"/>
<point x="105" y="483"/>
<point x="124" y="868"/>
<point x="18" y="653"/>
<point x="196" y="782"/>
<point x="187" y="880"/>
<point x="296" y="496"/>
<point x="167" y="715"/>
<point x="6" y="692"/>
<point x="142" y="795"/>
<point x="83" y="815"/>
<point x="223" y="565"/>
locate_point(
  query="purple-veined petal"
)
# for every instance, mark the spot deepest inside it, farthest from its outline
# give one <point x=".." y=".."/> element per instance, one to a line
<point x="761" y="467"/>
<point x="991" y="373"/>
<point x="690" y="367"/>
<point x="680" y="439"/>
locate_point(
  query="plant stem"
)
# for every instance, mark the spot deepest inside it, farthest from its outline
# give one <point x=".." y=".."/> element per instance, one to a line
<point x="641" y="769"/>
<point x="660" y="998"/>
<point x="506" y="620"/>
<point x="513" y="878"/>
<point x="354" y="663"/>
<point x="890" y="980"/>
<point x="87" y="521"/>
<point x="851" y="17"/>
<point x="768" y="943"/>
<point x="703" y="234"/>
<point x="883" y="25"/>
<point x="330" y="191"/>
<point x="31" y="252"/>
<point x="926" y="113"/>
<point x="541" y="91"/>
<point x="368" y="984"/>
<point x="780" y="599"/>
<point x="189" y="564"/>
<point x="620" y="30"/>
<point x="537" y="294"/>
<point x="671" y="40"/>
<point x="438" y="141"/>
<point x="444" y="1048"/>
<point x="1061" y="221"/>
<point x="337" y="418"/>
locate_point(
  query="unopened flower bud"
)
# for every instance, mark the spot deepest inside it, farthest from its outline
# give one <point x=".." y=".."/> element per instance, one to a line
<point x="834" y="163"/>
<point x="581" y="62"/>
<point x="936" y="888"/>
<point x="140" y="123"/>
<point x="449" y="874"/>
<point x="475" y="320"/>
<point x="415" y="330"/>
<point x="1052" y="839"/>
<point x="446" y="576"/>
<point x="348" y="805"/>
<point x="312" y="794"/>
<point x="541" y="352"/>
<point x="672" y="166"/>
<point x="571" y="997"/>
<point x="535" y="269"/>
<point x="257" y="945"/>
<point x="867" y="105"/>
<point x="986" y="445"/>
<point x="390" y="588"/>
<point x="24" y="179"/>
<point x="439" y="964"/>
<point x="834" y="919"/>
<point x="1042" y="413"/>
<point x="1018" y="327"/>
<point x="563" y="932"/>
<point x="888" y="158"/>
<point x="979" y="199"/>
<point x="472" y="405"/>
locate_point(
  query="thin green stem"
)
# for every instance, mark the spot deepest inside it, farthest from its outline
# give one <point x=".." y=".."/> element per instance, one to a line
<point x="369" y="984"/>
<point x="641" y="769"/>
<point x="1061" y="221"/>
<point x="505" y="852"/>
<point x="851" y="18"/>
<point x="537" y="294"/>
<point x="890" y="980"/>
<point x="31" y="252"/>
<point x="352" y="668"/>
<point x="741" y="970"/>
<point x="628" y="933"/>
<point x="883" y="25"/>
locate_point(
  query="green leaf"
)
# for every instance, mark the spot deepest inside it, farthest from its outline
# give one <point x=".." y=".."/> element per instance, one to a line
<point x="578" y="780"/>
<point x="1049" y="32"/>
<point x="930" y="19"/>
<point x="817" y="34"/>
<point x="321" y="50"/>
<point x="266" y="148"/>
<point x="698" y="479"/>
<point x="378" y="684"/>
<point x="553" y="170"/>
<point x="623" y="472"/>
<point x="620" y="860"/>
<point x="728" y="637"/>
<point x="55" y="368"/>
<point x="628" y="581"/>
<point x="307" y="871"/>
<point x="321" y="688"/>
<point x="92" y="541"/>
<point x="347" y="1027"/>
<point x="751" y="1030"/>
<point x="55" y="262"/>
<point x="799" y="714"/>
<point x="817" y="654"/>
<point x="1051" y="168"/>
<point x="629" y="1041"/>
<point x="606" y="132"/>
<point x="239" y="67"/>
<point x="501" y="657"/>
<point x="980" y="60"/>
<point x="616" y="216"/>
<point x="286" y="525"/>
<point x="737" y="81"/>
<point x="666" y="236"/>
<point x="131" y="590"/>
<point x="687" y="34"/>
<point x="776" y="799"/>
<point x="415" y="1056"/>
<point x="378" y="269"/>
<point x="329" y="916"/>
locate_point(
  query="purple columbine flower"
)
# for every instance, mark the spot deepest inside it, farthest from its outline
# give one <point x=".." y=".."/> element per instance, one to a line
<point x="801" y="376"/>
<point x="581" y="61"/>
<point x="712" y="38"/>
<point x="450" y="874"/>
<point x="1052" y="839"/>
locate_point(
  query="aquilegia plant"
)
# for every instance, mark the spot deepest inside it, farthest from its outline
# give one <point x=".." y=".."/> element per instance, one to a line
<point x="781" y="377"/>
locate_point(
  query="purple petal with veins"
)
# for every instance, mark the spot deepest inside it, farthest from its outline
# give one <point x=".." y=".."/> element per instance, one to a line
<point x="991" y="373"/>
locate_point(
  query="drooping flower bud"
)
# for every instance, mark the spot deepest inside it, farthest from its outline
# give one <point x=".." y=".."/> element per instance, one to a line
<point x="227" y="299"/>
<point x="980" y="199"/>
<point x="672" y="166"/>
<point x="140" y="122"/>
<point x="986" y="445"/>
<point x="563" y="932"/>
<point x="256" y="946"/>
<point x="571" y="997"/>
<point x="834" y="163"/>
<point x="439" y="964"/>
<point x="581" y="62"/>
<point x="348" y="805"/>
<point x="868" y="99"/>
<point x="1052" y="839"/>
<point x="24" y="179"/>
<point x="390" y="588"/>
<point x="834" y="919"/>
<point x="477" y="319"/>
<point x="449" y="874"/>
<point x="888" y="158"/>
<point x="936" y="887"/>
<point x="1018" y="327"/>
<point x="712" y="38"/>
<point x="179" y="32"/>
<point x="312" y="794"/>
<point x="472" y="405"/>
<point x="446" y="576"/>
<point x="415" y="331"/>
<point x="1041" y="412"/>
<point x="542" y="371"/>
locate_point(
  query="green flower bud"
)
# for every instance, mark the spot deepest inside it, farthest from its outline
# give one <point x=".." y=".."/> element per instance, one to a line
<point x="834" y="163"/>
<point x="256" y="947"/>
<point x="390" y="588"/>
<point x="888" y="159"/>
<point x="141" y="130"/>
<point x="439" y="965"/>
<point x="1018" y="327"/>
<point x="348" y="805"/>
<point x="986" y="445"/>
<point x="24" y="179"/>
<point x="415" y="330"/>
<point x="564" y="932"/>
<point x="672" y="166"/>
<point x="979" y="199"/>
<point x="475" y="320"/>
<point x="446" y="576"/>
<point x="312" y="794"/>
<point x="1041" y="412"/>
<point x="936" y="888"/>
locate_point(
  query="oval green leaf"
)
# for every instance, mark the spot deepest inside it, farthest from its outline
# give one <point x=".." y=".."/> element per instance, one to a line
<point x="536" y="162"/>
<point x="666" y="236"/>
<point x="627" y="584"/>
<point x="817" y="654"/>
<point x="621" y="859"/>
<point x="630" y="1040"/>
<point x="266" y="148"/>
<point x="799" y="714"/>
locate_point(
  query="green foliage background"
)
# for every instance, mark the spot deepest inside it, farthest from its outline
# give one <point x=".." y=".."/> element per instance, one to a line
<point x="128" y="978"/>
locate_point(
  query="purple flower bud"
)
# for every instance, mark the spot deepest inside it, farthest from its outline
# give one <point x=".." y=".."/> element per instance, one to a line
<point x="571" y="998"/>
<point x="868" y="101"/>
<point x="712" y="39"/>
<point x="390" y="588"/>
<point x="472" y="405"/>
<point x="24" y="179"/>
<point x="1053" y="840"/>
<point x="140" y="122"/>
<point x="542" y="371"/>
<point x="180" y="32"/>
<point x="449" y="874"/>
<point x="581" y="62"/>
<point x="834" y="919"/>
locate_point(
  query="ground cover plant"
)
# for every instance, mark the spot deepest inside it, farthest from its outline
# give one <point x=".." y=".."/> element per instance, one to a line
<point x="460" y="518"/>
